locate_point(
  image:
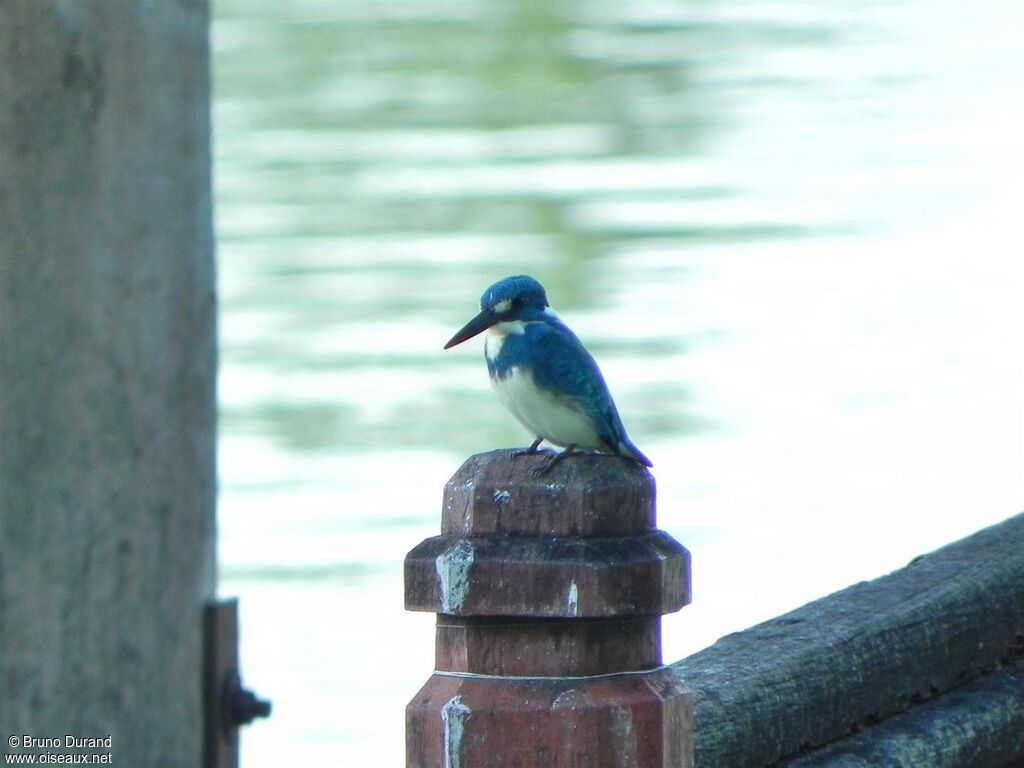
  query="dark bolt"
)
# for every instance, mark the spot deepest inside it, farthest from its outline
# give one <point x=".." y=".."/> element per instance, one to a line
<point x="246" y="706"/>
<point x="243" y="706"/>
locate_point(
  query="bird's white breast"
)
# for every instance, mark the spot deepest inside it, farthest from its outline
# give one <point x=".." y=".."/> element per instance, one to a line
<point x="542" y="414"/>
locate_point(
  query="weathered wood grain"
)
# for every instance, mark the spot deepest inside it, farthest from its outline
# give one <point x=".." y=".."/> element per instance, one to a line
<point x="496" y="493"/>
<point x="860" y="655"/>
<point x="550" y="647"/>
<point x="619" y="721"/>
<point x="644" y="575"/>
<point x="573" y="543"/>
<point x="979" y="725"/>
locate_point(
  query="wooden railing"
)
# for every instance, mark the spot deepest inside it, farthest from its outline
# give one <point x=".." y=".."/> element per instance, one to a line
<point x="923" y="668"/>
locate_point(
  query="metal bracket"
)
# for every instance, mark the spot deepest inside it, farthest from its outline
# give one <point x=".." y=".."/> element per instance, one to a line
<point x="226" y="703"/>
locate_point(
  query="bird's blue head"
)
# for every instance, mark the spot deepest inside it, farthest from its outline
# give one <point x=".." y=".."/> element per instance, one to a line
<point x="515" y="298"/>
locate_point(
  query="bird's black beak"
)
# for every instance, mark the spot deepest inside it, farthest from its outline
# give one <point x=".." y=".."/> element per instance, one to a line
<point x="478" y="324"/>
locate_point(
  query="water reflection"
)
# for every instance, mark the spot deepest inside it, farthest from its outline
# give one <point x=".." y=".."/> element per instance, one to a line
<point x="787" y="230"/>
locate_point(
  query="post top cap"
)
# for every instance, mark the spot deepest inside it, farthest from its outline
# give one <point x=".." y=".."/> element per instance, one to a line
<point x="586" y="495"/>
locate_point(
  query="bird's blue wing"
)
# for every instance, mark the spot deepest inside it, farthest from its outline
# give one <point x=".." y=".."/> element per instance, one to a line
<point x="568" y="371"/>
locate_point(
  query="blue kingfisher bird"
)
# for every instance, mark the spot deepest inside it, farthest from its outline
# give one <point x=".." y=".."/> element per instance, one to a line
<point x="543" y="374"/>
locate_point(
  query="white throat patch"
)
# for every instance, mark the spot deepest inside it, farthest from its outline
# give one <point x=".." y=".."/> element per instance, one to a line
<point x="496" y="334"/>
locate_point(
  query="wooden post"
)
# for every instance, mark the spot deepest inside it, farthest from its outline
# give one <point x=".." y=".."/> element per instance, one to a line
<point x="549" y="593"/>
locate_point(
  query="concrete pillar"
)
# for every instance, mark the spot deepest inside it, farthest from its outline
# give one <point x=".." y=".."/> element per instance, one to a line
<point x="107" y="373"/>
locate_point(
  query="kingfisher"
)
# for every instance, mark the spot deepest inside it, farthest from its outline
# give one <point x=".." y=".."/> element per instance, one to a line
<point x="544" y="375"/>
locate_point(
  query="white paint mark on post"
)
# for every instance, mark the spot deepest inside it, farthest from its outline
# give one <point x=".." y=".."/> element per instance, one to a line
<point x="571" y="699"/>
<point x="454" y="715"/>
<point x="453" y="567"/>
<point x="501" y="497"/>
<point x="572" y="601"/>
<point x="624" y="735"/>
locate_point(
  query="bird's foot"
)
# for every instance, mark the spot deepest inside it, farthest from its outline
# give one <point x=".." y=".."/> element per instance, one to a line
<point x="547" y="466"/>
<point x="528" y="451"/>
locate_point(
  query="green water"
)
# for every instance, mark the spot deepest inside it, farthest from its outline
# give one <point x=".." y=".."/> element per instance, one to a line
<point x="789" y="232"/>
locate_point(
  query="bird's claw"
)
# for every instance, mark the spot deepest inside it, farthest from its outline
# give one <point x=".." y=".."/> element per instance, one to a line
<point x="548" y="465"/>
